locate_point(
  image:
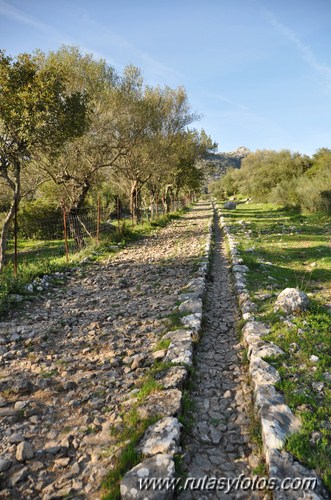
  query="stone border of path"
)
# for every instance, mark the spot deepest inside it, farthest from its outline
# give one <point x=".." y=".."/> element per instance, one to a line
<point x="276" y="418"/>
<point x="161" y="441"/>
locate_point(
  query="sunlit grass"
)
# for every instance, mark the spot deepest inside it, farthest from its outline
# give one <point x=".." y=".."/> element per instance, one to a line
<point x="284" y="248"/>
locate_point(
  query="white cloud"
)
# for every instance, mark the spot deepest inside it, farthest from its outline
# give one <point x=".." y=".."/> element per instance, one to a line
<point x="222" y="98"/>
<point x="22" y="17"/>
<point x="305" y="51"/>
<point x="133" y="55"/>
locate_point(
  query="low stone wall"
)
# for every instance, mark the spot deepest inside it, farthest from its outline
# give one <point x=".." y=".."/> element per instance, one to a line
<point x="161" y="441"/>
<point x="276" y="418"/>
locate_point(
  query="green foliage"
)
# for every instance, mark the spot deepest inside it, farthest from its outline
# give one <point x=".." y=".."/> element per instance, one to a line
<point x="231" y="181"/>
<point x="282" y="177"/>
<point x="314" y="191"/>
<point x="217" y="189"/>
<point x="37" y="217"/>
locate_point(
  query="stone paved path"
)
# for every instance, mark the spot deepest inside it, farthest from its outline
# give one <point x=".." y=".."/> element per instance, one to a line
<point x="70" y="359"/>
<point x="218" y="445"/>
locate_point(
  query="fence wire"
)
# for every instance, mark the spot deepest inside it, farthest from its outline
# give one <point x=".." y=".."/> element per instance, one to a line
<point x="44" y="233"/>
<point x="54" y="235"/>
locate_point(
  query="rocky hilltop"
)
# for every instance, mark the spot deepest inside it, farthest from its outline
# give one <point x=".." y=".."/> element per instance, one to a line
<point x="222" y="161"/>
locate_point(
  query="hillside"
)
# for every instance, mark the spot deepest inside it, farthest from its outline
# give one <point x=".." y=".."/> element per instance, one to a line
<point x="222" y="161"/>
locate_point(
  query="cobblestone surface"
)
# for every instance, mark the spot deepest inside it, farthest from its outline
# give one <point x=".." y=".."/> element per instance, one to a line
<point x="73" y="358"/>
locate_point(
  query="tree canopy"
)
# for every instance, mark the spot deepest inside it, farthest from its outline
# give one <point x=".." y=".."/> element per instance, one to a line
<point x="70" y="123"/>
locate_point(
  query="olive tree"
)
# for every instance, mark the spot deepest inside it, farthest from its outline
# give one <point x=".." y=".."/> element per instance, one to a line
<point x="36" y="115"/>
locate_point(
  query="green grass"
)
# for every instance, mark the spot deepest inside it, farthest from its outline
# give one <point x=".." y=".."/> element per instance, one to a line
<point x="162" y="344"/>
<point x="283" y="248"/>
<point x="174" y="320"/>
<point x="150" y="385"/>
<point x="132" y="431"/>
<point x="129" y="432"/>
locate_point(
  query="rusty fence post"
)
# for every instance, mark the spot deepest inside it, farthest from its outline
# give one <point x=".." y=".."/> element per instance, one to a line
<point x="65" y="233"/>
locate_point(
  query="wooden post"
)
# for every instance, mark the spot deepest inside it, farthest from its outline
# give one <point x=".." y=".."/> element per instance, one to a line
<point x="65" y="233"/>
<point x="99" y="219"/>
<point x="15" y="240"/>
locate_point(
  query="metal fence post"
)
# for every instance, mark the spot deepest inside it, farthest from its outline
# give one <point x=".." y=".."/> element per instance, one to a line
<point x="65" y="233"/>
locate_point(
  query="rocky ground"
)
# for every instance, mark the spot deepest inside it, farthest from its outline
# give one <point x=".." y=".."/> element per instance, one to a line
<point x="219" y="443"/>
<point x="73" y="356"/>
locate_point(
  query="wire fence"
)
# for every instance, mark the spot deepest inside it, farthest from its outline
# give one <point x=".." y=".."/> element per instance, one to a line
<point x="43" y="233"/>
<point x="57" y="234"/>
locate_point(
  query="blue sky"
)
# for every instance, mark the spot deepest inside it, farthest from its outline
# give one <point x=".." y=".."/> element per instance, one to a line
<point x="259" y="71"/>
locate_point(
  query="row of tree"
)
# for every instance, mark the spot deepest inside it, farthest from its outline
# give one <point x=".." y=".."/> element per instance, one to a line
<point x="282" y="177"/>
<point x="70" y="123"/>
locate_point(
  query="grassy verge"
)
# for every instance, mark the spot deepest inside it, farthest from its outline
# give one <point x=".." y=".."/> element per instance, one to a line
<point x="37" y="258"/>
<point x="129" y="431"/>
<point x="283" y="248"/>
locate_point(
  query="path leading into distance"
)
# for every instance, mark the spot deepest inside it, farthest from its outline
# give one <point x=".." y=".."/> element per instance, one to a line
<point x="75" y="356"/>
<point x="218" y="445"/>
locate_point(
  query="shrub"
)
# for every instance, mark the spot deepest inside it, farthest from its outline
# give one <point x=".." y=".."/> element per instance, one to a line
<point x="285" y="193"/>
<point x="315" y="192"/>
<point x="36" y="220"/>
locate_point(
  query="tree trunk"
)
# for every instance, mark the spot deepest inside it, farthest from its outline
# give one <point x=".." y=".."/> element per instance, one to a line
<point x="76" y="229"/>
<point x="152" y="201"/>
<point x="166" y="199"/>
<point x="135" y="202"/>
<point x="157" y="205"/>
<point x="10" y="215"/>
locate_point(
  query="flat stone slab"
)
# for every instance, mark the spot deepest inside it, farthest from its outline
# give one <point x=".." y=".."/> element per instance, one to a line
<point x="180" y="349"/>
<point x="178" y="336"/>
<point x="160" y="466"/>
<point x="191" y="306"/>
<point x="253" y="331"/>
<point x="266" y="395"/>
<point x="262" y="373"/>
<point x="161" y="404"/>
<point x="282" y="465"/>
<point x="181" y="352"/>
<point x="173" y="377"/>
<point x="240" y="268"/>
<point x="265" y="350"/>
<point x="162" y="437"/>
<point x="277" y="422"/>
<point x="192" y="321"/>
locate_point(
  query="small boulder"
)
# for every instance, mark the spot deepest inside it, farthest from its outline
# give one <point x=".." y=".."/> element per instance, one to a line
<point x="230" y="205"/>
<point x="291" y="301"/>
<point x="24" y="451"/>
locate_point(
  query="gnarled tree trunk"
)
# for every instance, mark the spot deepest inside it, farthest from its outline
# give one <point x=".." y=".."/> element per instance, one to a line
<point x="135" y="201"/>
<point x="15" y="185"/>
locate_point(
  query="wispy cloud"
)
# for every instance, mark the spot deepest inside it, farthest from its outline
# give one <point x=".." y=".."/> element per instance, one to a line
<point x="222" y="98"/>
<point x="133" y="54"/>
<point x="304" y="49"/>
<point x="22" y="17"/>
<point x="154" y="68"/>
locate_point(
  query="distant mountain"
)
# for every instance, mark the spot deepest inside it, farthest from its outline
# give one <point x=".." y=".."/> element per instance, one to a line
<point x="220" y="162"/>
